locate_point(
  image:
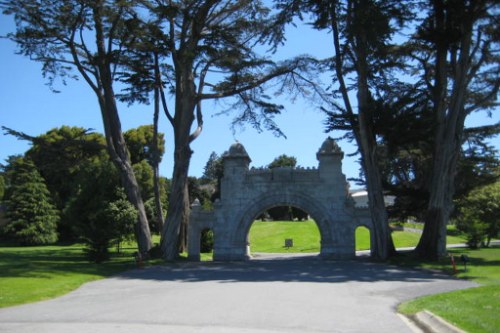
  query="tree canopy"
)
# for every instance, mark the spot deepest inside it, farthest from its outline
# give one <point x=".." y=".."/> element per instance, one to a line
<point x="283" y="161"/>
<point x="140" y="144"/>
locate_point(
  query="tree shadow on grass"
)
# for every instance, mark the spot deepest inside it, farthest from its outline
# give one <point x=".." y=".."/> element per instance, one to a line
<point x="42" y="263"/>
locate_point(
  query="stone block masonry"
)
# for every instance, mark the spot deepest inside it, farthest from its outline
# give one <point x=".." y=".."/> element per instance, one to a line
<point x="322" y="192"/>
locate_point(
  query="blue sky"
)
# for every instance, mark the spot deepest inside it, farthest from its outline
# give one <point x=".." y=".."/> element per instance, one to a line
<point x="28" y="105"/>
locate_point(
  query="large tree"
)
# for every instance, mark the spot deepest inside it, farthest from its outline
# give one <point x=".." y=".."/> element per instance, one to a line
<point x="362" y="33"/>
<point x="456" y="52"/>
<point x="58" y="155"/>
<point x="206" y="50"/>
<point x="213" y="170"/>
<point x="86" y="36"/>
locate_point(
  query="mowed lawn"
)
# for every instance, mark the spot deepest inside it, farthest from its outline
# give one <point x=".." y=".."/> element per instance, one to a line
<point x="270" y="237"/>
<point x="474" y="310"/>
<point x="34" y="273"/>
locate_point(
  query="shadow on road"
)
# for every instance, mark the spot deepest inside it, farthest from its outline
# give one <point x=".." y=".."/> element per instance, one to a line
<point x="288" y="269"/>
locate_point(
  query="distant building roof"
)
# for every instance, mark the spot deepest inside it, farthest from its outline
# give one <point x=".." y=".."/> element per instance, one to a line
<point x="360" y="198"/>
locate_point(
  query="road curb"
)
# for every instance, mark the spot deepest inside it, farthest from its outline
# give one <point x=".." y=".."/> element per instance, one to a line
<point x="434" y="324"/>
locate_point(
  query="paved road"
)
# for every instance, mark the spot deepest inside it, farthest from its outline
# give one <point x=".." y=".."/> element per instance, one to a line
<point x="298" y="294"/>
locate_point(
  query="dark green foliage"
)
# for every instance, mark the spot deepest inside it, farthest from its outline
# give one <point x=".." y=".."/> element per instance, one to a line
<point x="213" y="170"/>
<point x="474" y="230"/>
<point x="212" y="175"/>
<point x="283" y="161"/>
<point x="58" y="155"/>
<point x="99" y="211"/>
<point x="201" y="192"/>
<point x="286" y="213"/>
<point x="123" y="215"/>
<point x="32" y="218"/>
<point x="144" y="175"/>
<point x="207" y="241"/>
<point x="2" y="187"/>
<point x="140" y="144"/>
<point x="480" y="215"/>
<point x="150" y="207"/>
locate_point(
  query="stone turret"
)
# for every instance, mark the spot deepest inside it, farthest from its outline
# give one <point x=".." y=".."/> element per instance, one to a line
<point x="330" y="158"/>
<point x="236" y="161"/>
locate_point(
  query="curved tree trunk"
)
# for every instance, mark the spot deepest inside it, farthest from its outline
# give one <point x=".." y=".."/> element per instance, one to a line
<point x="115" y="141"/>
<point x="156" y="153"/>
<point x="118" y="152"/>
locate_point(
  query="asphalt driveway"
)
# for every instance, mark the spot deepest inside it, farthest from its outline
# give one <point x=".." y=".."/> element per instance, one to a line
<point x="297" y="294"/>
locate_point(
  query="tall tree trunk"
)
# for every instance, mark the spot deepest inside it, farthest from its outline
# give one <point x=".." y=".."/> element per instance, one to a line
<point x="182" y="242"/>
<point x="156" y="153"/>
<point x="383" y="246"/>
<point x="115" y="141"/>
<point x="450" y="116"/>
<point x="178" y="206"/>
<point x="362" y="127"/>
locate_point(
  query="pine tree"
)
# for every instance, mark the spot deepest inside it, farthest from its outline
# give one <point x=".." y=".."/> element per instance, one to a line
<point x="32" y="216"/>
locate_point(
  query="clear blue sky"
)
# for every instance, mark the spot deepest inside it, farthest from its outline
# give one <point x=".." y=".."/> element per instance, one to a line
<point x="28" y="105"/>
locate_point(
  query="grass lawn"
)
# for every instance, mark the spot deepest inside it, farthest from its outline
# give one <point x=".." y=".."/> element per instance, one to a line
<point x="475" y="309"/>
<point x="34" y="273"/>
<point x="270" y="237"/>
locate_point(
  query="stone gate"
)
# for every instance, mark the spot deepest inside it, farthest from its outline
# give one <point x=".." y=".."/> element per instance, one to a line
<point x="322" y="192"/>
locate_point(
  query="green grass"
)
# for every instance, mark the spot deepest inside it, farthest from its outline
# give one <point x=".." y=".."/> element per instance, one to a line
<point x="270" y="237"/>
<point x="35" y="273"/>
<point x="474" y="309"/>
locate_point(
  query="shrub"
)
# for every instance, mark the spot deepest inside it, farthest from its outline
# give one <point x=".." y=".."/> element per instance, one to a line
<point x="99" y="211"/>
<point x="479" y="214"/>
<point x="207" y="241"/>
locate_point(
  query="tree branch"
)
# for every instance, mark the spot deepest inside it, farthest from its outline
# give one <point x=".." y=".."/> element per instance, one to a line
<point x="254" y="84"/>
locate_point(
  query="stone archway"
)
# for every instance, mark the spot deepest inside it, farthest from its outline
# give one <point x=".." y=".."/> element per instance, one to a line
<point x="322" y="192"/>
<point x="299" y="200"/>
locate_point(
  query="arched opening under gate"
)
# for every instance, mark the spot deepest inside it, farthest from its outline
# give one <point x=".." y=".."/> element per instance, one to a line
<point x="284" y="230"/>
<point x="207" y="243"/>
<point x="321" y="220"/>
<point x="362" y="239"/>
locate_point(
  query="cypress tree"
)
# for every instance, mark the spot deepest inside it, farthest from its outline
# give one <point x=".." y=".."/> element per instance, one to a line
<point x="32" y="216"/>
